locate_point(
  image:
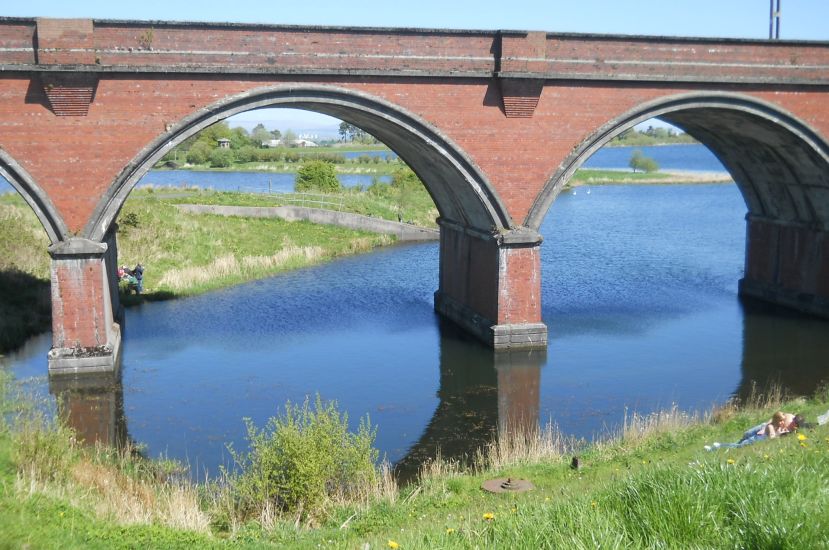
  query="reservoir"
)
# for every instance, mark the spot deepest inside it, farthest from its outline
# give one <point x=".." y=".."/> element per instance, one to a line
<point x="639" y="294"/>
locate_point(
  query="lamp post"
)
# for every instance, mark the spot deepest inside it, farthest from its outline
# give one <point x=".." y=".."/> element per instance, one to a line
<point x="774" y="20"/>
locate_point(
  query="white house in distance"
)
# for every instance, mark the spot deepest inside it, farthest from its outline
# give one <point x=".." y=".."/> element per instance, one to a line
<point x="293" y="143"/>
<point x="223" y="143"/>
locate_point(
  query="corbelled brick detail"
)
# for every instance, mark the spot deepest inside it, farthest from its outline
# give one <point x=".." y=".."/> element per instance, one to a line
<point x="520" y="96"/>
<point x="69" y="94"/>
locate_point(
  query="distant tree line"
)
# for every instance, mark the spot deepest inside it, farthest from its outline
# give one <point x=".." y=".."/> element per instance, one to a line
<point x="651" y="136"/>
<point x="248" y="147"/>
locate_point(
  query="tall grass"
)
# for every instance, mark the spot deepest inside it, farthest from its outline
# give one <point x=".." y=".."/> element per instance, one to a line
<point x="25" y="302"/>
<point x="186" y="254"/>
<point x="770" y="495"/>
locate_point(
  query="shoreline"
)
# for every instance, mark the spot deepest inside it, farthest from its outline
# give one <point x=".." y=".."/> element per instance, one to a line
<point x="623" y="176"/>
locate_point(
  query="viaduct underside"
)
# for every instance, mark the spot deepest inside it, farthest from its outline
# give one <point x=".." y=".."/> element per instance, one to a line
<point x="493" y="122"/>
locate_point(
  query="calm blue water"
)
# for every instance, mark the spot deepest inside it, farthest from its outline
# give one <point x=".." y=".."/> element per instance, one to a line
<point x="249" y="182"/>
<point x="639" y="294"/>
<point x="669" y="157"/>
<point x="388" y="155"/>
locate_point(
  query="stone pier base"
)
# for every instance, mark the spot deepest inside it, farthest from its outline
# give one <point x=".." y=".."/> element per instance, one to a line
<point x="787" y="264"/>
<point x="490" y="285"/>
<point x="86" y="336"/>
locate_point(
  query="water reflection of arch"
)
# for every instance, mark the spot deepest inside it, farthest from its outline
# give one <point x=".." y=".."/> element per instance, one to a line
<point x="481" y="392"/>
<point x="92" y="404"/>
<point x="782" y="347"/>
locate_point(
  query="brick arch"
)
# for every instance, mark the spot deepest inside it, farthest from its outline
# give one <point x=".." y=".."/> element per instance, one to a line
<point x="41" y="204"/>
<point x="779" y="163"/>
<point x="460" y="190"/>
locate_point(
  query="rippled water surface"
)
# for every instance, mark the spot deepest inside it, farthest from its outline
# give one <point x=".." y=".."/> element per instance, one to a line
<point x="639" y="294"/>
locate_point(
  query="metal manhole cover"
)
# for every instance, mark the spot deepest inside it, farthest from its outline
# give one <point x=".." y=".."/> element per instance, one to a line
<point x="507" y="485"/>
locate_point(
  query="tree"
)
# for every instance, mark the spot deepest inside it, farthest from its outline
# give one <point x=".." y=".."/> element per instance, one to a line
<point x="260" y="134"/>
<point x="317" y="175"/>
<point x="289" y="138"/>
<point x="406" y="183"/>
<point x="638" y="161"/>
<point x="345" y="131"/>
<point x="349" y="132"/>
<point x="276" y="134"/>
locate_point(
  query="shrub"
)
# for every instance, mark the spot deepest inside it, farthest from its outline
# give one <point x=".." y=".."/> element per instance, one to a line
<point x="317" y="175"/>
<point x="199" y="153"/>
<point x="638" y="161"/>
<point x="303" y="459"/>
<point x="248" y="153"/>
<point x="222" y="158"/>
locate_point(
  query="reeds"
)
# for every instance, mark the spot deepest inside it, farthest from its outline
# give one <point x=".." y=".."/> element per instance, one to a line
<point x="228" y="266"/>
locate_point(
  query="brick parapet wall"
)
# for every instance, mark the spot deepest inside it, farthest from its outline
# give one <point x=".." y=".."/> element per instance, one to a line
<point x="135" y="46"/>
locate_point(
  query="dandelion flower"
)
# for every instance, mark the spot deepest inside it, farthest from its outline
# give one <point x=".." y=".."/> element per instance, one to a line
<point x="489" y="516"/>
<point x="392" y="544"/>
<point x="801" y="437"/>
<point x="594" y="504"/>
<point x="730" y="461"/>
<point x="449" y="530"/>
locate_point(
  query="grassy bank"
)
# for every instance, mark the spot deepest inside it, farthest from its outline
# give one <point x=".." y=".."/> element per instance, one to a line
<point x="25" y="303"/>
<point x="183" y="254"/>
<point x="188" y="254"/>
<point x="627" y="177"/>
<point x="651" y="486"/>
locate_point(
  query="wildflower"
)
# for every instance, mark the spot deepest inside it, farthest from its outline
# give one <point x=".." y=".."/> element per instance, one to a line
<point x="801" y="437"/>
<point x="392" y="544"/>
<point x="765" y="457"/>
<point x="730" y="461"/>
<point x="594" y="504"/>
<point x="449" y="530"/>
<point x="489" y="516"/>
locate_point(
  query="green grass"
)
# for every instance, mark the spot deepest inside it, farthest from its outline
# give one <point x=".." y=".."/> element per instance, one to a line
<point x="188" y="254"/>
<point x="606" y="177"/>
<point x="653" y="486"/>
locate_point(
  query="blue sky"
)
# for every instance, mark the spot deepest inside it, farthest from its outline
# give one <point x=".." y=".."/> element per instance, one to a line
<point x="801" y="20"/>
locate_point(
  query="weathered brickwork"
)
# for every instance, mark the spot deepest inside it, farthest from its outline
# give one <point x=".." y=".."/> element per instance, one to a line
<point x="512" y="109"/>
<point x="78" y="299"/>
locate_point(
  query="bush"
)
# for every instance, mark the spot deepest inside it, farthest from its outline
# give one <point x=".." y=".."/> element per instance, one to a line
<point x="247" y="153"/>
<point x="302" y="460"/>
<point x="222" y="158"/>
<point x="317" y="175"/>
<point x="638" y="161"/>
<point x="199" y="153"/>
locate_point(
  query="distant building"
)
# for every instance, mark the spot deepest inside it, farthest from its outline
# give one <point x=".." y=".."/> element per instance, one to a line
<point x="294" y="143"/>
<point x="223" y="143"/>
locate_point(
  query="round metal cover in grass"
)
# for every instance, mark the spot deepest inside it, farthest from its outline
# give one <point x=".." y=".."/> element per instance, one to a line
<point x="507" y="485"/>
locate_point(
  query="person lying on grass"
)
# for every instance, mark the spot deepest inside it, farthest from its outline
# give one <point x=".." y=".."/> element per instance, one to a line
<point x="780" y="424"/>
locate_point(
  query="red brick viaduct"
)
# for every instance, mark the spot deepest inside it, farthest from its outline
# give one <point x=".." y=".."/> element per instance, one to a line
<point x="493" y="122"/>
